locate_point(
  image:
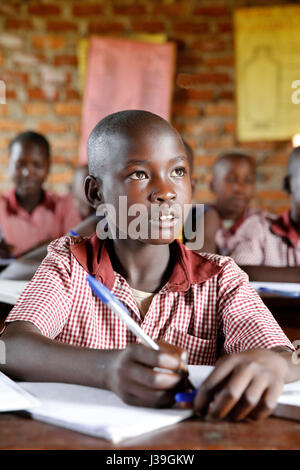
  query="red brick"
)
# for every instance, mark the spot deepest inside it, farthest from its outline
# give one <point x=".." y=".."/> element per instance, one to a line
<point x="67" y="109"/>
<point x="257" y="145"/>
<point x="61" y="177"/>
<point x="185" y="110"/>
<point x="230" y="127"/>
<point x="61" y="26"/>
<point x="209" y="44"/>
<point x="203" y="195"/>
<point x="219" y="109"/>
<point x="55" y="127"/>
<point x="48" y="42"/>
<point x="202" y="127"/>
<point x="132" y="10"/>
<point x="10" y="94"/>
<point x="196" y="95"/>
<point x="205" y="160"/>
<point x="97" y="27"/>
<point x="190" y="27"/>
<point x="148" y="26"/>
<point x="39" y="94"/>
<point x="72" y="94"/>
<point x="225" y="27"/>
<point x="4" y="143"/>
<point x="175" y="9"/>
<point x="14" y="126"/>
<point x="65" y="60"/>
<point x="17" y="23"/>
<point x="272" y="195"/>
<point x="44" y="9"/>
<point x="226" y="95"/>
<point x="4" y="110"/>
<point x="186" y="80"/>
<point x="35" y="109"/>
<point x="11" y="8"/>
<point x="65" y="144"/>
<point x="219" y="61"/>
<point x="211" y="10"/>
<point x="221" y="142"/>
<point x="12" y="76"/>
<point x="280" y="159"/>
<point x="92" y="9"/>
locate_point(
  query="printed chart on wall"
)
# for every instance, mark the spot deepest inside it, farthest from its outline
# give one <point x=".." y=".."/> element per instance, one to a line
<point x="125" y="74"/>
<point x="267" y="49"/>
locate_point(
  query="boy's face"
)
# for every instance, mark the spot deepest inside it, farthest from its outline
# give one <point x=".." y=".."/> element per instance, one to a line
<point x="150" y="168"/>
<point x="234" y="186"/>
<point x="29" y="167"/>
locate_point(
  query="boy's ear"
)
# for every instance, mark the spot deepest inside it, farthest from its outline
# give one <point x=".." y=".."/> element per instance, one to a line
<point x="286" y="186"/>
<point x="212" y="185"/>
<point x="92" y="189"/>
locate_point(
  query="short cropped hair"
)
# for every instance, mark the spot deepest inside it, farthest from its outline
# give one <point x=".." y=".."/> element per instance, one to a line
<point x="32" y="137"/>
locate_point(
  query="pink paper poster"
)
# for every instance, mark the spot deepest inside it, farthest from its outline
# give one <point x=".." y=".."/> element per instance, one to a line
<point x="125" y="74"/>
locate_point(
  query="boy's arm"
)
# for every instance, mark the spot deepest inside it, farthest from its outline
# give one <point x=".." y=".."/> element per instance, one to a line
<point x="248" y="379"/>
<point x="246" y="385"/>
<point x="129" y="372"/>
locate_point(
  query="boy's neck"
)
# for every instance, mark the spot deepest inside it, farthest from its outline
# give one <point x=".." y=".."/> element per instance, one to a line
<point x="145" y="267"/>
<point x="29" y="203"/>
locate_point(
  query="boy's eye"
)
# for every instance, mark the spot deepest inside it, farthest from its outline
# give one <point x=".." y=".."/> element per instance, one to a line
<point x="178" y="172"/>
<point x="138" y="175"/>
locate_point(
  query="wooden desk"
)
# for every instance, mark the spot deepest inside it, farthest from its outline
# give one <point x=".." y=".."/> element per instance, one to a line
<point x="23" y="433"/>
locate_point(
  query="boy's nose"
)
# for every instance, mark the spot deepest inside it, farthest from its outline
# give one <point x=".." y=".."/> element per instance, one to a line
<point x="163" y="195"/>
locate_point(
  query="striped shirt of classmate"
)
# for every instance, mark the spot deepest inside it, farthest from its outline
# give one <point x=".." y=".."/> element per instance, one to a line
<point x="59" y="331"/>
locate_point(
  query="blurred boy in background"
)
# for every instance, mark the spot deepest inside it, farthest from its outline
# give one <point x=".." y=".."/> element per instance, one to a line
<point x="233" y="183"/>
<point x="29" y="215"/>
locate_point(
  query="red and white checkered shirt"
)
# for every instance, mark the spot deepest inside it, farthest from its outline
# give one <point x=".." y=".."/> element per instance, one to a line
<point x="268" y="241"/>
<point x="207" y="307"/>
<point x="227" y="239"/>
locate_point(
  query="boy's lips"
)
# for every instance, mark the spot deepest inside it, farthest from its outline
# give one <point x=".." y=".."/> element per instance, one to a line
<point x="167" y="220"/>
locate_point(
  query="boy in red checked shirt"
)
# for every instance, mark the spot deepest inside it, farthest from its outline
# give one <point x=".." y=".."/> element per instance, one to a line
<point x="203" y="304"/>
<point x="233" y="183"/>
<point x="29" y="215"/>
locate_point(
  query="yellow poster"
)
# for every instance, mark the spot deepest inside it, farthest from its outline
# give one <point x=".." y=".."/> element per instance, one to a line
<point x="267" y="49"/>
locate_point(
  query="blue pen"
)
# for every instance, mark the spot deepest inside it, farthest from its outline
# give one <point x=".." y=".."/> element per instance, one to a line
<point x="185" y="397"/>
<point x="279" y="292"/>
<point x="75" y="234"/>
<point x="120" y="310"/>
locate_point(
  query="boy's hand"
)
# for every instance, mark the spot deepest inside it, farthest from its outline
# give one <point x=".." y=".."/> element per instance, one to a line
<point x="135" y="379"/>
<point x="242" y="385"/>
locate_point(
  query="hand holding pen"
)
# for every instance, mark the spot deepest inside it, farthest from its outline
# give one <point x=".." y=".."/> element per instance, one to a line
<point x="142" y="374"/>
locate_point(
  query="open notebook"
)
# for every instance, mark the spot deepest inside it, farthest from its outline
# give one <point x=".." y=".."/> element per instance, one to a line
<point x="11" y="290"/>
<point x="101" y="413"/>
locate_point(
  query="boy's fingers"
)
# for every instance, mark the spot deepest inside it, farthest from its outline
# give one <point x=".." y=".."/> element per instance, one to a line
<point x="231" y="393"/>
<point x="141" y="396"/>
<point x="151" y="378"/>
<point x="268" y="402"/>
<point x="250" y="399"/>
<point x="208" y="388"/>
<point x="165" y="358"/>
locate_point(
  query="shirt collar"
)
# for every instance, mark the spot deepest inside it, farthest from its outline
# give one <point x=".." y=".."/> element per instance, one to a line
<point x="190" y="267"/>
<point x="14" y="207"/>
<point x="283" y="227"/>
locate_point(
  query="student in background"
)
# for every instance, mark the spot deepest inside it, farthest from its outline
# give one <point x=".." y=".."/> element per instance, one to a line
<point x="201" y="303"/>
<point x="233" y="183"/>
<point x="274" y="241"/>
<point x="29" y="215"/>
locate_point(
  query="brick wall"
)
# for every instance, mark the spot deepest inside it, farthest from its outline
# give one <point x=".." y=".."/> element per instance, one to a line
<point x="39" y="66"/>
